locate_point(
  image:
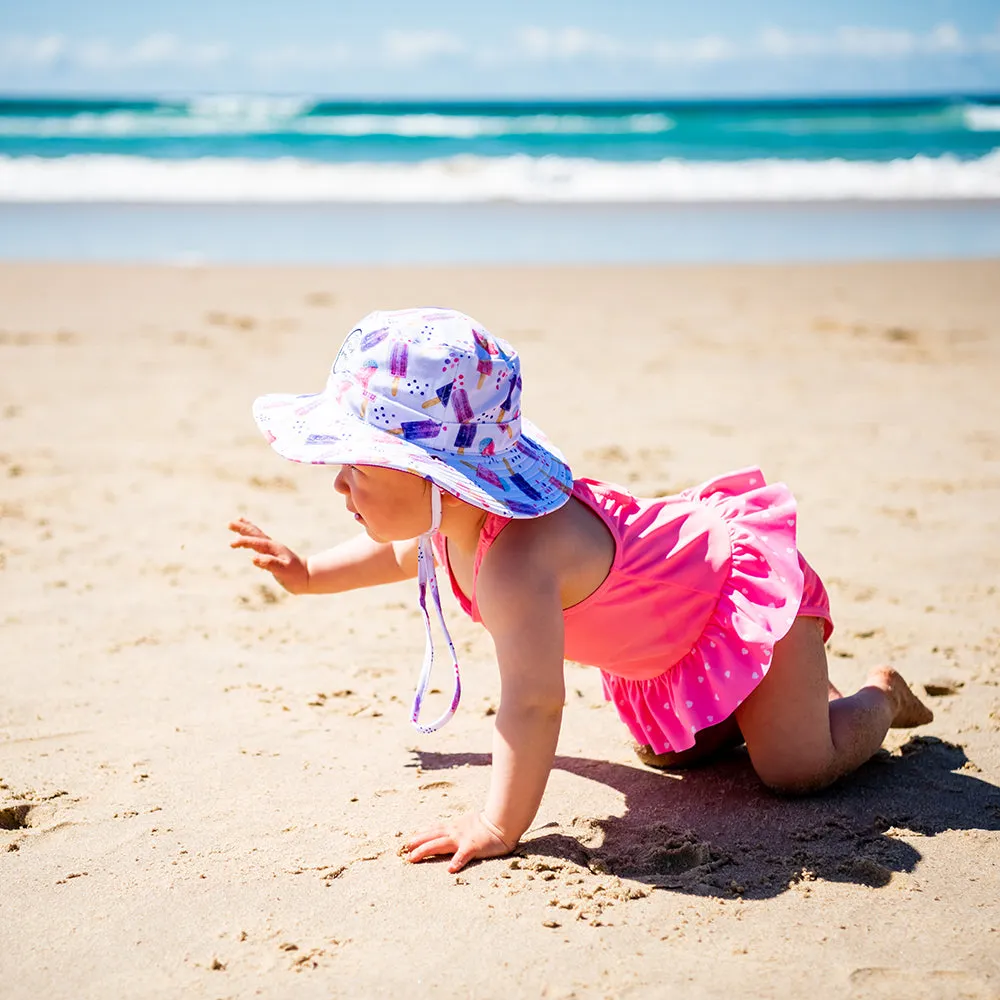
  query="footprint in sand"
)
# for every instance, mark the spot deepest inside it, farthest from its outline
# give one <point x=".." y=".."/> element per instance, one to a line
<point x="919" y="984"/>
<point x="669" y="858"/>
<point x="940" y="687"/>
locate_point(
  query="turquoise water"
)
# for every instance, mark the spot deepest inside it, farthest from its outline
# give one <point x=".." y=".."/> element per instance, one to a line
<point x="296" y="179"/>
<point x="256" y="128"/>
<point x="255" y="149"/>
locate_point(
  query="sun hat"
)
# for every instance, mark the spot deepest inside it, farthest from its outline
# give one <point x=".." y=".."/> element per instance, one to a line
<point x="431" y="392"/>
<point x="427" y="391"/>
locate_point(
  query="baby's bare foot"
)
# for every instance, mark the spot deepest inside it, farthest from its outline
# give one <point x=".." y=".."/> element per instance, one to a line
<point x="908" y="709"/>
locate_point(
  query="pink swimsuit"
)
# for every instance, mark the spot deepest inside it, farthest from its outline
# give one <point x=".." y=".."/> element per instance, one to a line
<point x="702" y="585"/>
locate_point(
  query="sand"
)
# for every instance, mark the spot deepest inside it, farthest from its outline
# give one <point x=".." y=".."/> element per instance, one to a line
<point x="204" y="782"/>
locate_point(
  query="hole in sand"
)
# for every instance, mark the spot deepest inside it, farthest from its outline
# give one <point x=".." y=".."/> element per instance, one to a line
<point x="15" y="817"/>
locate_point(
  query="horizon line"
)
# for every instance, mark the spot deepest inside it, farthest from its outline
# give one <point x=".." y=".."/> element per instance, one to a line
<point x="897" y="96"/>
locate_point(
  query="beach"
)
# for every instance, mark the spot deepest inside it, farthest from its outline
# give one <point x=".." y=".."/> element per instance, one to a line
<point x="205" y="782"/>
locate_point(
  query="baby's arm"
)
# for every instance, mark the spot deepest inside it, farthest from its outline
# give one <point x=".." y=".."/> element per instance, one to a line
<point x="358" y="562"/>
<point x="523" y="612"/>
<point x="527" y="630"/>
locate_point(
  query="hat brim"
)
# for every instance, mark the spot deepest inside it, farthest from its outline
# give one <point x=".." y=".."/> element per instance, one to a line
<point x="523" y="482"/>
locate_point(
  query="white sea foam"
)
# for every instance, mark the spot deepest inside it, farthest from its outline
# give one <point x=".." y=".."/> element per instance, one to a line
<point x="94" y="178"/>
<point x="252" y="116"/>
<point x="215" y="119"/>
<point x="982" y="117"/>
<point x="249" y="106"/>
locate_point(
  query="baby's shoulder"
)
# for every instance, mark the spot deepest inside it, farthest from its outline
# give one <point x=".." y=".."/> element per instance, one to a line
<point x="571" y="549"/>
<point x="537" y="541"/>
<point x="517" y="581"/>
<point x="522" y="548"/>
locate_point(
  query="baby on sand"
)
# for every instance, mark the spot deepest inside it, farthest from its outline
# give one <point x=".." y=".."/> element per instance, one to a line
<point x="707" y="624"/>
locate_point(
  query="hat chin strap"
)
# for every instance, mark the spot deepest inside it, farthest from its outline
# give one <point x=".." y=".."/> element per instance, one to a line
<point x="427" y="580"/>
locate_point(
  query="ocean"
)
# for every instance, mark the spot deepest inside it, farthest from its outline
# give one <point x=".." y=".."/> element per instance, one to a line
<point x="298" y="179"/>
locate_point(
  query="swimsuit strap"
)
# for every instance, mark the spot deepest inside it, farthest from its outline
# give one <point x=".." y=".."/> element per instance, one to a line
<point x="427" y="579"/>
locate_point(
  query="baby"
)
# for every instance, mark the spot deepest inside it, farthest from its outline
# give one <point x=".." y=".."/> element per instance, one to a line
<point x="707" y="624"/>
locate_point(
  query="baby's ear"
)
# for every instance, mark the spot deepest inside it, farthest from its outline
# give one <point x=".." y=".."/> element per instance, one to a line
<point x="449" y="500"/>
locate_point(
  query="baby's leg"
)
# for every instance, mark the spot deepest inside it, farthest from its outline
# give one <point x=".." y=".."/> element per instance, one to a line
<point x="707" y="744"/>
<point x="801" y="740"/>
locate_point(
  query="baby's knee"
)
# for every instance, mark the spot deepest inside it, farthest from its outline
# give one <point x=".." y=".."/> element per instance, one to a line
<point x="796" y="781"/>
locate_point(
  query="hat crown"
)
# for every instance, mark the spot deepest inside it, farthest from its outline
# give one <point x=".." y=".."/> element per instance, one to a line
<point x="432" y="376"/>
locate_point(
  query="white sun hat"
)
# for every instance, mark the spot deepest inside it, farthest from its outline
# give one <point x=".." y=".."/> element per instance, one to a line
<point x="427" y="391"/>
<point x="431" y="392"/>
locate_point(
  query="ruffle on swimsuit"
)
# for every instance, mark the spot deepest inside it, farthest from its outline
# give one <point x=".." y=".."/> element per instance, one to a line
<point x="756" y="605"/>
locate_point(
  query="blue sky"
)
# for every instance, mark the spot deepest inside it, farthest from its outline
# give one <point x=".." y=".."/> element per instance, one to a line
<point x="515" y="48"/>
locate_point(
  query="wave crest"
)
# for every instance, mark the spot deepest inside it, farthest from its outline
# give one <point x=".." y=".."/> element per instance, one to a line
<point x="550" y="179"/>
<point x="244" y="118"/>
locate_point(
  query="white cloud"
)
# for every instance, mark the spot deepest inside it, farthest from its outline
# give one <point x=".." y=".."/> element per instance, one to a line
<point x="164" y="49"/>
<point x="710" y="48"/>
<point x="290" y="56"/>
<point x="420" y="46"/>
<point x="867" y="42"/>
<point x="945" y="38"/>
<point x="158" y="49"/>
<point x="94" y="55"/>
<point x="559" y="46"/>
<point x="568" y="43"/>
<point x="154" y="49"/>
<point x="46" y="51"/>
<point x="851" y="41"/>
<point x="781" y="43"/>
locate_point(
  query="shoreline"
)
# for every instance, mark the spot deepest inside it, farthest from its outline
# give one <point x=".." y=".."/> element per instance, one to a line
<point x="500" y="233"/>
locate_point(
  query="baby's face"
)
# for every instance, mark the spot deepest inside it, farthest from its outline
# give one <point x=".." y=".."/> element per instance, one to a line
<point x="390" y="505"/>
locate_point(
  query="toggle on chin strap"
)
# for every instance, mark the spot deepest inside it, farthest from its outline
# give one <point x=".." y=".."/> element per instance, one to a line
<point x="427" y="579"/>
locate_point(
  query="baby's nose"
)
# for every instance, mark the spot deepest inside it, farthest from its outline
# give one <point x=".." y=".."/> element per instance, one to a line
<point x="340" y="483"/>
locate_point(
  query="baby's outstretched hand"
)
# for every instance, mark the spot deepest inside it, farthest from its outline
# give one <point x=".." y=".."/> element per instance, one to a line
<point x="465" y="838"/>
<point x="279" y="560"/>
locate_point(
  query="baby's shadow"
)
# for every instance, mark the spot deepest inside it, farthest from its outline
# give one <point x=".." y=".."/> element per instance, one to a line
<point x="717" y="831"/>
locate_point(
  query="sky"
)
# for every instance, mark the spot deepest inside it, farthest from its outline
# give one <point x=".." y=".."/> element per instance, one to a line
<point x="517" y="48"/>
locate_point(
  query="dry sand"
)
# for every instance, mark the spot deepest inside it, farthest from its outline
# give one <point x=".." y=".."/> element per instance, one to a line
<point x="204" y="782"/>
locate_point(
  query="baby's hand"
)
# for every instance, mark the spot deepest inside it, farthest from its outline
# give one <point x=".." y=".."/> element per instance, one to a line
<point x="280" y="561"/>
<point x="465" y="838"/>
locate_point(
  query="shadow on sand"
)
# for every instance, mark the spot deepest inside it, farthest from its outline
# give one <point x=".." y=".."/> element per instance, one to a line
<point x="717" y="831"/>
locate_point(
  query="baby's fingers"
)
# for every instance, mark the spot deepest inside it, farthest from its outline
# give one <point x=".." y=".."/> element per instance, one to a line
<point x="440" y="845"/>
<point x="244" y="527"/>
<point x="270" y="563"/>
<point x="433" y="833"/>
<point x="257" y="543"/>
<point x="461" y="858"/>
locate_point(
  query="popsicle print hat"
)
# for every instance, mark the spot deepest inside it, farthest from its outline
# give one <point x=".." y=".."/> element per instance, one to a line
<point x="427" y="391"/>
